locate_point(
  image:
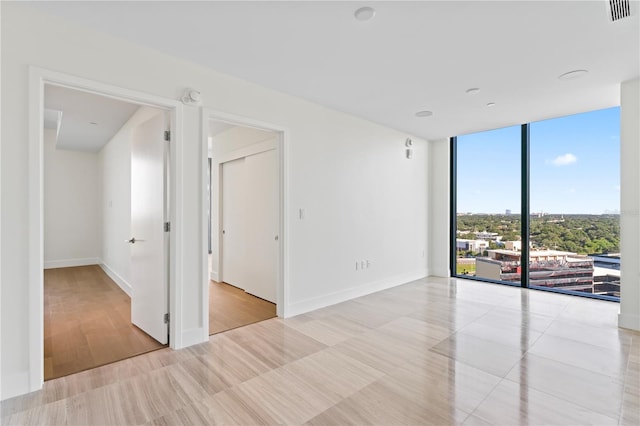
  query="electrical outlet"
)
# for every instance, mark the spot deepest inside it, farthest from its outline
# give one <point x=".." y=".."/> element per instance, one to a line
<point x="357" y="265"/>
<point x="368" y="264"/>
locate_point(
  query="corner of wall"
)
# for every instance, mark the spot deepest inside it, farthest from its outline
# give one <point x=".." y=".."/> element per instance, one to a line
<point x="122" y="283"/>
<point x="629" y="316"/>
<point x="438" y="259"/>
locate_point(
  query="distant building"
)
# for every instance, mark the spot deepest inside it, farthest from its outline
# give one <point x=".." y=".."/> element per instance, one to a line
<point x="606" y="274"/>
<point x="513" y="245"/>
<point x="507" y="212"/>
<point x="489" y="236"/>
<point x="610" y="261"/>
<point x="547" y="268"/>
<point x="477" y="246"/>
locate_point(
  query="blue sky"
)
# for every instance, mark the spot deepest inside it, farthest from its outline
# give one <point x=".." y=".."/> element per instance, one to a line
<point x="575" y="166"/>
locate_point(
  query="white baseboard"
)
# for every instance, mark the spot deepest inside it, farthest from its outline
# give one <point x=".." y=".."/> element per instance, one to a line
<point x="15" y="384"/>
<point x="350" y="293"/>
<point x="629" y="321"/>
<point x="214" y="276"/>
<point x="122" y="283"/>
<point x="70" y="263"/>
<point x="443" y="273"/>
<point x="194" y="336"/>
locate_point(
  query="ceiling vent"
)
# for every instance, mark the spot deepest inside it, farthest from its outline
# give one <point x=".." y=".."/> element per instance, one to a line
<point x="619" y="9"/>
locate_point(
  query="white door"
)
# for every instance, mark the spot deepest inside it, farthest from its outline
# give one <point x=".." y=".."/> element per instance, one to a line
<point x="261" y="173"/>
<point x="149" y="259"/>
<point x="233" y="218"/>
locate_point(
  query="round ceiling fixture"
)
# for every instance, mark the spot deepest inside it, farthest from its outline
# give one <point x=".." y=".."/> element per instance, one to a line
<point x="424" y="113"/>
<point x="472" y="91"/>
<point x="365" y="13"/>
<point x="491" y="104"/>
<point x="572" y="75"/>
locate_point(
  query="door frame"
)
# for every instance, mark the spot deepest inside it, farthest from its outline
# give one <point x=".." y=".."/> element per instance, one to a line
<point x="38" y="77"/>
<point x="282" y="146"/>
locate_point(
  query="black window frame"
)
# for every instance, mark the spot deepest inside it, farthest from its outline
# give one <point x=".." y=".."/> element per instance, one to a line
<point x="525" y="181"/>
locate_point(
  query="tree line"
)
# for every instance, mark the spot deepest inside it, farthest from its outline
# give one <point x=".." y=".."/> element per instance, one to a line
<point x="582" y="234"/>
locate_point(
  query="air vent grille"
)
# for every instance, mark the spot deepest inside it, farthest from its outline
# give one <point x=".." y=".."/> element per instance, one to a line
<point x="619" y="9"/>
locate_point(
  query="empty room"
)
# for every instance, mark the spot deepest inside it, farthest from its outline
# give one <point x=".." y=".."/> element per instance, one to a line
<point x="436" y="203"/>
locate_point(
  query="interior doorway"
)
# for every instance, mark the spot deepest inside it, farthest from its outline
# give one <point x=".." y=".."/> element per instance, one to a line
<point x="244" y="218"/>
<point x="105" y="257"/>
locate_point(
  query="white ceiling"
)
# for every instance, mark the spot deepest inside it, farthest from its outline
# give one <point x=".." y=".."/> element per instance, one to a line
<point x="419" y="55"/>
<point x="79" y="110"/>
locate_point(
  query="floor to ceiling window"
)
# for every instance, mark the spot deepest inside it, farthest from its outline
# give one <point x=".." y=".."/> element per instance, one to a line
<point x="548" y="191"/>
<point x="488" y="205"/>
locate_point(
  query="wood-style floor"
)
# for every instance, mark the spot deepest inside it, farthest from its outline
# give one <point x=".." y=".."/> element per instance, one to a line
<point x="433" y="351"/>
<point x="87" y="322"/>
<point x="231" y="307"/>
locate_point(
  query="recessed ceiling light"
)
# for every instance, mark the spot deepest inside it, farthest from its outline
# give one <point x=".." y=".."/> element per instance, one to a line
<point x="93" y="122"/>
<point x="424" y="114"/>
<point x="491" y="104"/>
<point x="365" y="13"/>
<point x="572" y="75"/>
<point x="472" y="91"/>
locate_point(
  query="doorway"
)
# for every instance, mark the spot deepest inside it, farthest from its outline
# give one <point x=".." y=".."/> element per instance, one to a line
<point x="244" y="205"/>
<point x="104" y="165"/>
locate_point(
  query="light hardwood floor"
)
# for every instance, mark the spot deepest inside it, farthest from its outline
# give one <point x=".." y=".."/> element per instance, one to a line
<point x="433" y="351"/>
<point x="87" y="322"/>
<point x="230" y="307"/>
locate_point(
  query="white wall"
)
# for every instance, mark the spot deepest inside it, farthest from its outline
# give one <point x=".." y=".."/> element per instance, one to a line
<point x="630" y="205"/>
<point x="363" y="198"/>
<point x="115" y="162"/>
<point x="1" y="397"/>
<point x="72" y="201"/>
<point x="439" y="244"/>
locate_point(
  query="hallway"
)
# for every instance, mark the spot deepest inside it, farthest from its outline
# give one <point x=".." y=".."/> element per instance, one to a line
<point x="87" y="322"/>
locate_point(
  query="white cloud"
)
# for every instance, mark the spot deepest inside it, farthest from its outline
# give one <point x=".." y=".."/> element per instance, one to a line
<point x="564" y="159"/>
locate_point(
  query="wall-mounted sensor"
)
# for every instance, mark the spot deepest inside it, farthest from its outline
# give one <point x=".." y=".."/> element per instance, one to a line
<point x="191" y="97"/>
<point x="409" y="153"/>
<point x="408" y="143"/>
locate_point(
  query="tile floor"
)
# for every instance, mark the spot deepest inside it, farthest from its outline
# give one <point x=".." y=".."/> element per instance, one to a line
<point x="433" y="351"/>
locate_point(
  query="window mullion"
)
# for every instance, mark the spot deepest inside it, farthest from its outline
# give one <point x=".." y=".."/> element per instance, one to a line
<point x="524" y="207"/>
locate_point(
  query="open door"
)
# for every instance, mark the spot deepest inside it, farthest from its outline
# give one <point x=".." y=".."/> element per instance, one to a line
<point x="149" y="241"/>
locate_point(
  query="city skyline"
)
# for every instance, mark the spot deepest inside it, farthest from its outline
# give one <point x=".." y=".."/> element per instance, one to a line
<point x="574" y="167"/>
